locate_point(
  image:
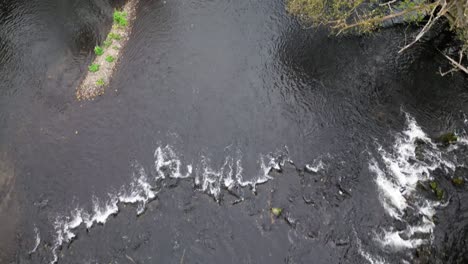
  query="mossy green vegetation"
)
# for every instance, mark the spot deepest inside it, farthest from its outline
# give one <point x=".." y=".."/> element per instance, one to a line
<point x="110" y="59"/>
<point x="107" y="54"/>
<point x="107" y="43"/>
<point x="100" y="82"/>
<point x="114" y="36"/>
<point x="436" y="190"/>
<point x="93" y="67"/>
<point x="448" y="138"/>
<point x="458" y="181"/>
<point x="120" y="18"/>
<point x="98" y="50"/>
<point x="276" y="211"/>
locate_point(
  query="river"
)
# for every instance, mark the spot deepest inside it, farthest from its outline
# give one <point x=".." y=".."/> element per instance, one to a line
<point x="218" y="111"/>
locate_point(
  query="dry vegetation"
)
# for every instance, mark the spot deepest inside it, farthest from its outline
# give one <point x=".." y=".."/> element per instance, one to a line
<point x="366" y="15"/>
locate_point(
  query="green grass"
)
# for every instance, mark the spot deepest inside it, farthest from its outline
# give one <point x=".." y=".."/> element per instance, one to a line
<point x="107" y="43"/>
<point x="114" y="36"/>
<point x="100" y="82"/>
<point x="98" y="50"/>
<point x="120" y="18"/>
<point x="110" y="58"/>
<point x="93" y="67"/>
<point x="115" y="47"/>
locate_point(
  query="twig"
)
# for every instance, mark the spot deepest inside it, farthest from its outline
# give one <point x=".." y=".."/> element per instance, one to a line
<point x="182" y="258"/>
<point x="388" y="3"/>
<point x="427" y="26"/>
<point x="384" y="18"/>
<point x="129" y="258"/>
<point x="447" y="72"/>
<point x="456" y="64"/>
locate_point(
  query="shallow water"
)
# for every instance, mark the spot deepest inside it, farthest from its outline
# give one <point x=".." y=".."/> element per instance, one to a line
<point x="228" y="86"/>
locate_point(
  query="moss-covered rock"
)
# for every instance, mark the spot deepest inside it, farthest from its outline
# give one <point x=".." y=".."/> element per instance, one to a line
<point x="458" y="181"/>
<point x="276" y="211"/>
<point x="439" y="193"/>
<point x="448" y="138"/>
<point x="433" y="185"/>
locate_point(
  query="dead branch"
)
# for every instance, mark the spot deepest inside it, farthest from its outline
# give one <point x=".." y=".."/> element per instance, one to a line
<point x="456" y="64"/>
<point x="427" y="26"/>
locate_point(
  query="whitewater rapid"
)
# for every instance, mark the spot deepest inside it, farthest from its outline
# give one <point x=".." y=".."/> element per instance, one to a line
<point x="398" y="172"/>
<point x="144" y="188"/>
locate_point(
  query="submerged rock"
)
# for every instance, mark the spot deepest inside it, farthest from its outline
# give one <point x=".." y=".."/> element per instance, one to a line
<point x="459" y="176"/>
<point x="458" y="181"/>
<point x="437" y="190"/>
<point x="276" y="211"/>
<point x="419" y="149"/>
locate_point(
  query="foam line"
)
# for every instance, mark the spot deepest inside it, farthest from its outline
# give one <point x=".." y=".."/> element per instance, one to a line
<point x="142" y="189"/>
<point x="37" y="241"/>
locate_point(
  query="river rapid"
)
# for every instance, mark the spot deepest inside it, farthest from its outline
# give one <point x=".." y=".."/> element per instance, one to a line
<point x="218" y="111"/>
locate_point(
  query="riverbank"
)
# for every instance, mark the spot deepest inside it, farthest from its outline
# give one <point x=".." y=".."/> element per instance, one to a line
<point x="108" y="54"/>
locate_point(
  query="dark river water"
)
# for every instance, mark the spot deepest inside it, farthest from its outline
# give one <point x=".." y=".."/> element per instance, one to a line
<point x="218" y="111"/>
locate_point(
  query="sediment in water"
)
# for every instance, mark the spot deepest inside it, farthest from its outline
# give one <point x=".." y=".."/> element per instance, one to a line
<point x="94" y="83"/>
<point x="8" y="210"/>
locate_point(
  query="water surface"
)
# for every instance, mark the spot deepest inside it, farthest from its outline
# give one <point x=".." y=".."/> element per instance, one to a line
<point x="220" y="81"/>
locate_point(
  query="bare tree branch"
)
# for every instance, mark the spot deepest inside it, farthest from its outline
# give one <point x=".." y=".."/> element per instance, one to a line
<point x="457" y="65"/>
<point x="426" y="27"/>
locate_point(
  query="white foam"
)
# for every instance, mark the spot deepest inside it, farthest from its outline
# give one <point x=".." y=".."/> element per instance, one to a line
<point x="395" y="241"/>
<point x="167" y="162"/>
<point x="37" y="241"/>
<point x="64" y="230"/>
<point x="371" y="259"/>
<point x="462" y="140"/>
<point x="141" y="189"/>
<point x="397" y="184"/>
<point x="267" y="164"/>
<point x="390" y="195"/>
<point x="102" y="211"/>
<point x="212" y="180"/>
<point x="316" y="166"/>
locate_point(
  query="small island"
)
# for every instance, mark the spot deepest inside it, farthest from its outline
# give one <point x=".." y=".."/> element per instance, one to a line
<point x="107" y="54"/>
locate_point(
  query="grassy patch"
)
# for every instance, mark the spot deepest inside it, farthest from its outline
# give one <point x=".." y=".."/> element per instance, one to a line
<point x="114" y="36"/>
<point x="120" y="18"/>
<point x="110" y="58"/>
<point x="100" y="82"/>
<point x="93" y="67"/>
<point x="107" y="43"/>
<point x="98" y="50"/>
